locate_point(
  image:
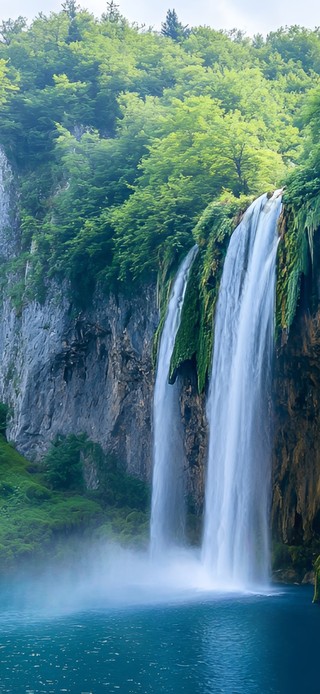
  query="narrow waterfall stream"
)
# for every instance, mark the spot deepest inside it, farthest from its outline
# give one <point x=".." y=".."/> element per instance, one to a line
<point x="235" y="545"/>
<point x="167" y="506"/>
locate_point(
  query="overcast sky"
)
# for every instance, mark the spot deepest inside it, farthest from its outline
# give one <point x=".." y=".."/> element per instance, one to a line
<point x="250" y="15"/>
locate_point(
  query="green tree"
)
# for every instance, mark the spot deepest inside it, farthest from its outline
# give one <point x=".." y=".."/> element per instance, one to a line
<point x="112" y="14"/>
<point x="71" y="8"/>
<point x="215" y="47"/>
<point x="11" y="27"/>
<point x="172" y="28"/>
<point x="63" y="462"/>
<point x="298" y="44"/>
<point x="208" y="151"/>
<point x="121" y="137"/>
<point x="7" y="86"/>
<point x="4" y="411"/>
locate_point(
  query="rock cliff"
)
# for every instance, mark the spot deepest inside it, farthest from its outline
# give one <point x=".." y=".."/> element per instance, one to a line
<point x="64" y="371"/>
<point x="296" y="464"/>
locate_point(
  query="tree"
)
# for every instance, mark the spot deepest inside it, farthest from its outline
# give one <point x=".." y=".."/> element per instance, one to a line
<point x="258" y="41"/>
<point x="297" y="44"/>
<point x="63" y="462"/>
<point x="173" y="28"/>
<point x="71" y="8"/>
<point x="4" y="411"/>
<point x="10" y="28"/>
<point x="112" y="14"/>
<point x="6" y="85"/>
<point x="121" y="137"/>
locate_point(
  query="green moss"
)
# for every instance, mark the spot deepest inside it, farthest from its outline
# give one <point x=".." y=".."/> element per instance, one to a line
<point x="300" y="222"/>
<point x="292" y="563"/>
<point x="163" y="291"/>
<point x="30" y="514"/>
<point x="292" y="262"/>
<point x="316" y="597"/>
<point x="195" y="335"/>
<point x="186" y="344"/>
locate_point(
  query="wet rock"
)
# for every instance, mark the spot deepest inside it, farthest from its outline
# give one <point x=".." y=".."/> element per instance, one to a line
<point x="308" y="578"/>
<point x="286" y="575"/>
<point x="296" y="460"/>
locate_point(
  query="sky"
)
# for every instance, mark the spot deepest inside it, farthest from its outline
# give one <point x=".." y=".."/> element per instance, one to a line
<point x="252" y="16"/>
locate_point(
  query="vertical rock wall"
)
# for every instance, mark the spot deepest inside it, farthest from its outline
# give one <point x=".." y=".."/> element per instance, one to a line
<point x="63" y="372"/>
<point x="296" y="464"/>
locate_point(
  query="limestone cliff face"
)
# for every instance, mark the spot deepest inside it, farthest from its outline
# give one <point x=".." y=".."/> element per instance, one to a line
<point x="64" y="371"/>
<point x="296" y="464"/>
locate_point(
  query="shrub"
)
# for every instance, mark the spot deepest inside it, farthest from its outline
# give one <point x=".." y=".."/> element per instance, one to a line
<point x="3" y="418"/>
<point x="63" y="463"/>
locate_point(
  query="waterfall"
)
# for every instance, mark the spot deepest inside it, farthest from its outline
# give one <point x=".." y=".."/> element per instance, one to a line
<point x="167" y="506"/>
<point x="236" y="544"/>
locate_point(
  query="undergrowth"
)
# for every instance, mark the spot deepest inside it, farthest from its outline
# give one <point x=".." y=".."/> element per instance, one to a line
<point x="35" y="517"/>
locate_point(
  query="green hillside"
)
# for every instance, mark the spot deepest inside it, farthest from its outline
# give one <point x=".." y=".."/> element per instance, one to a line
<point x="38" y="521"/>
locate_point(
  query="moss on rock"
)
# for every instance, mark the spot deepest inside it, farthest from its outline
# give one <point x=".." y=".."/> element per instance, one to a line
<point x="195" y="335"/>
<point x="316" y="597"/>
<point x="300" y="222"/>
<point x="186" y="344"/>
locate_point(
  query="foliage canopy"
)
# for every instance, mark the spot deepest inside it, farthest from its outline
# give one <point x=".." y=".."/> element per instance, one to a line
<point x="121" y="136"/>
<point x="129" y="145"/>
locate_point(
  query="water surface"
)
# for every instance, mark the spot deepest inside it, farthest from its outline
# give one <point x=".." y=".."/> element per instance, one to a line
<point x="208" y="643"/>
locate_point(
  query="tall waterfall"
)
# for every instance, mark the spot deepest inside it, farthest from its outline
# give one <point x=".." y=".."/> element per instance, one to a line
<point x="168" y="507"/>
<point x="235" y="544"/>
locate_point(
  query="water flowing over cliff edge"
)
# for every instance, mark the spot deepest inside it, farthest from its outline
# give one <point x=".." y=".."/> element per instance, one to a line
<point x="168" y="508"/>
<point x="236" y="531"/>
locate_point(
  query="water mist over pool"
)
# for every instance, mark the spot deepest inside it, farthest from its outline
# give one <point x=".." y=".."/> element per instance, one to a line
<point x="110" y="577"/>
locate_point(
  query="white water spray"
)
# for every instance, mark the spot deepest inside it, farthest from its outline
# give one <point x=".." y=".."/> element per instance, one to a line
<point x="168" y="507"/>
<point x="235" y="546"/>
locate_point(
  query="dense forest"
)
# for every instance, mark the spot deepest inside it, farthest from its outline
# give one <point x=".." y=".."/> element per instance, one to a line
<point x="121" y="137"/>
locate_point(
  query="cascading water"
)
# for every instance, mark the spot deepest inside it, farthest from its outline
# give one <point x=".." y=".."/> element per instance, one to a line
<point x="167" y="506"/>
<point x="235" y="545"/>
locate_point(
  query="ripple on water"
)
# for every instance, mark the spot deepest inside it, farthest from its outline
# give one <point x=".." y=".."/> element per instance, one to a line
<point x="204" y="643"/>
